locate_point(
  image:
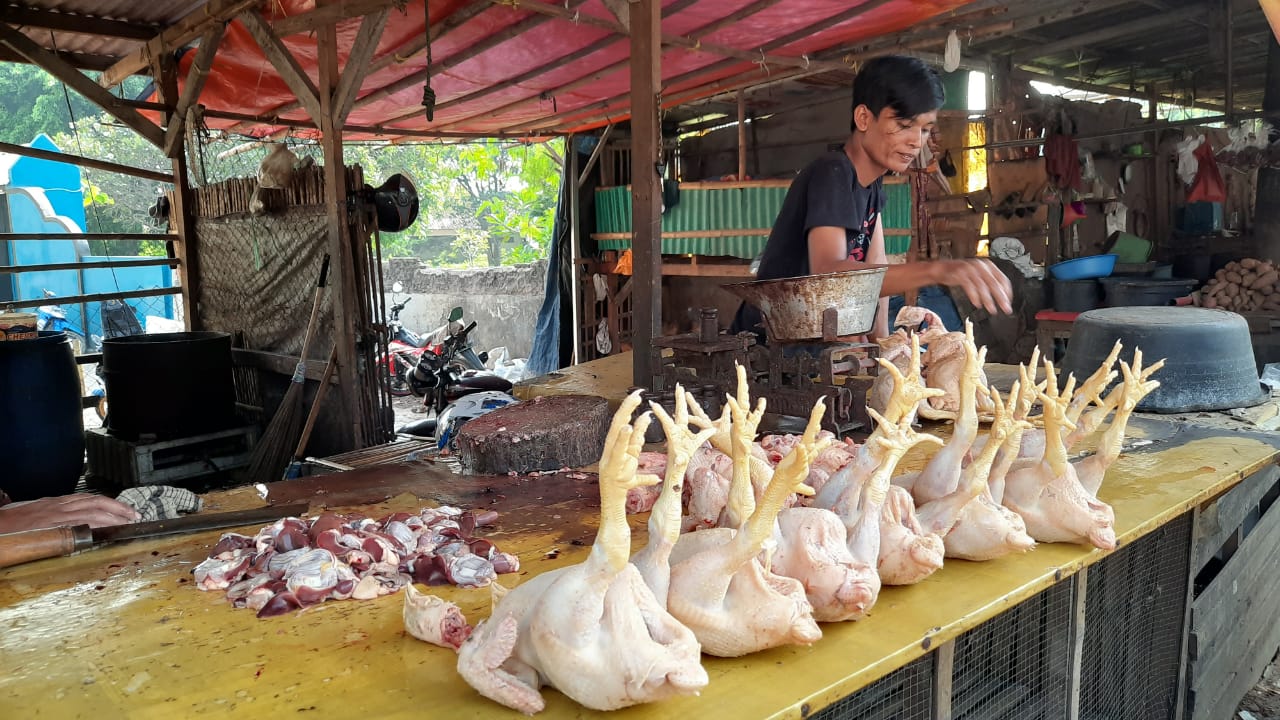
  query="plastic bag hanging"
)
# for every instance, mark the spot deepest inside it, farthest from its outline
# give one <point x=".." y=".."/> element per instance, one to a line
<point x="1208" y="185"/>
<point x="951" y="55"/>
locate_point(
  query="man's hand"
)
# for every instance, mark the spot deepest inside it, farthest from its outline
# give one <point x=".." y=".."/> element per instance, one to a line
<point x="78" y="509"/>
<point x="981" y="280"/>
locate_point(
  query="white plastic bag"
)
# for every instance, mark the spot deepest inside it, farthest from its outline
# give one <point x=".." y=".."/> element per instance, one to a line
<point x="1187" y="162"/>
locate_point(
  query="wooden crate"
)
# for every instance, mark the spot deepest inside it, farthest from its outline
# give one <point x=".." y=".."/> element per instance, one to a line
<point x="1233" y="630"/>
<point x="124" y="463"/>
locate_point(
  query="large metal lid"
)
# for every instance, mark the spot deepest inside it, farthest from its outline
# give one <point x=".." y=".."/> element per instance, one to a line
<point x="1208" y="354"/>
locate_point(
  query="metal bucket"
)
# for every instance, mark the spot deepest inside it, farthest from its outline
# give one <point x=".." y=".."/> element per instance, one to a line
<point x="819" y="306"/>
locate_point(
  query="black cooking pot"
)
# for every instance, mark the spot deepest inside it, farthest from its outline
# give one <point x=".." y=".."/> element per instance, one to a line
<point x="1208" y="354"/>
<point x="1131" y="292"/>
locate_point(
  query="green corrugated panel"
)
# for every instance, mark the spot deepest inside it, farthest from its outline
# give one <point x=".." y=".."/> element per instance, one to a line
<point x="896" y="215"/>
<point x="897" y="207"/>
<point x="727" y="209"/>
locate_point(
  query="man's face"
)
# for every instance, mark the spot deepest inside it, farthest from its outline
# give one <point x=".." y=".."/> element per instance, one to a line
<point x="894" y="142"/>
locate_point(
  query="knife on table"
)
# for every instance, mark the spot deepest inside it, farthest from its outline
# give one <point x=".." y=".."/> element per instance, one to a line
<point x="28" y="545"/>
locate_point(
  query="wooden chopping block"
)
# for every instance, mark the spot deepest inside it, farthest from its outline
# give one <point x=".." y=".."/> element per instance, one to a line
<point x="546" y="433"/>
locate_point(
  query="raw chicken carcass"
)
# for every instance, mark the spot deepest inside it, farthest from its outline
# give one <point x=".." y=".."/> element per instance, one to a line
<point x="880" y="521"/>
<point x="941" y="475"/>
<point x="1048" y="495"/>
<point x="433" y="619"/>
<point x="983" y="529"/>
<point x="594" y="631"/>
<point x="719" y="587"/>
<point x="945" y="364"/>
<point x="906" y="552"/>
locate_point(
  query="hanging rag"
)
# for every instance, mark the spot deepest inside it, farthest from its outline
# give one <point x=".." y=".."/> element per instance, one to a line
<point x="1062" y="161"/>
<point x="160" y="502"/>
<point x="1208" y="185"/>
<point x="951" y="53"/>
<point x="623" y="267"/>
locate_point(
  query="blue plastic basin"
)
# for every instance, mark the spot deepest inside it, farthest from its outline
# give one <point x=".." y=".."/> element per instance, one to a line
<point x="1085" y="268"/>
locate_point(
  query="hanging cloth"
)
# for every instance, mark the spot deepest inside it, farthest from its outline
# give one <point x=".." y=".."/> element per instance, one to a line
<point x="1208" y="185"/>
<point x="1062" y="161"/>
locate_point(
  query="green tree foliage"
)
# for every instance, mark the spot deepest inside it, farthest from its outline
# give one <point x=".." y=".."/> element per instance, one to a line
<point x="489" y="203"/>
<point x="31" y="102"/>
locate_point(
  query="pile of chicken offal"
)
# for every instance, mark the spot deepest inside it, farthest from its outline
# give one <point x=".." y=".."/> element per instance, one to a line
<point x="295" y="562"/>
<point x="752" y="544"/>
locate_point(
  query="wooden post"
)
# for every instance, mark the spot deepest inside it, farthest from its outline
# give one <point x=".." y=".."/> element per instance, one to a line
<point x="742" y="135"/>
<point x="182" y="206"/>
<point x="342" y="294"/>
<point x="575" y="242"/>
<point x="1161" y="202"/>
<point x="944" y="660"/>
<point x="1228" y="93"/>
<point x="1079" y="596"/>
<point x="646" y="195"/>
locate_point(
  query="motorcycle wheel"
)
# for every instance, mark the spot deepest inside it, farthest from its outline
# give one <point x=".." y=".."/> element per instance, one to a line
<point x="396" y="383"/>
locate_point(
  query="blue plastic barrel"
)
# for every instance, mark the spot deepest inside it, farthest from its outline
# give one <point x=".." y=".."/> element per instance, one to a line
<point x="41" y="419"/>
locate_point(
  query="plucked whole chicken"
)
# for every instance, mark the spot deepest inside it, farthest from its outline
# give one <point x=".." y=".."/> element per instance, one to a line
<point x="594" y="631"/>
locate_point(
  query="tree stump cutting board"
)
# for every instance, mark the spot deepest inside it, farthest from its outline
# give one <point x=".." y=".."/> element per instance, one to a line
<point x="546" y="433"/>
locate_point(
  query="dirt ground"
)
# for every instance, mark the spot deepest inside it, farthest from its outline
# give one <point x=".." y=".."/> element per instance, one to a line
<point x="1263" y="701"/>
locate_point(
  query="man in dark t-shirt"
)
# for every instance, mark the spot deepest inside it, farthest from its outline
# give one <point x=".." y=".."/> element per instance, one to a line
<point x="830" y="219"/>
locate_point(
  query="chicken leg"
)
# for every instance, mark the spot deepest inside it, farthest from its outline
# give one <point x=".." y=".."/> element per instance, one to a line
<point x="653" y="560"/>
<point x="942" y="474"/>
<point x="1125" y="397"/>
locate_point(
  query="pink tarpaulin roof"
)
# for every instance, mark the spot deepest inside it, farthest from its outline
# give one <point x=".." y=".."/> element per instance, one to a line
<point x="549" y="73"/>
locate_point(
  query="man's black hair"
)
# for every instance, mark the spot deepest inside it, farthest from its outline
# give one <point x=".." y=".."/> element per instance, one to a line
<point x="903" y="83"/>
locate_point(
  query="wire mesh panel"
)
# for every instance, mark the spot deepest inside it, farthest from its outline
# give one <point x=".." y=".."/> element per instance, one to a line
<point x="1134" y="614"/>
<point x="904" y="694"/>
<point x="1016" y="665"/>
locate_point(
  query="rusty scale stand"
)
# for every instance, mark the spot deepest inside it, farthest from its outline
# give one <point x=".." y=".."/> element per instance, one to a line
<point x="791" y="375"/>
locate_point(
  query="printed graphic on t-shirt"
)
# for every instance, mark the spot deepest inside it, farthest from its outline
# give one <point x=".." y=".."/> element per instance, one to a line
<point x="859" y="242"/>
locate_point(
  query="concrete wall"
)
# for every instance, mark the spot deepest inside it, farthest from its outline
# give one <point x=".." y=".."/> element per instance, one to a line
<point x="503" y="301"/>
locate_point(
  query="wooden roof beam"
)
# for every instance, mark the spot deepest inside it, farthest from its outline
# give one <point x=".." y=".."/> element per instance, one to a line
<point x="284" y="62"/>
<point x="353" y="73"/>
<point x="688" y="42"/>
<point x="400" y="54"/>
<point x="75" y="23"/>
<point x="329" y="14"/>
<point x="559" y="62"/>
<point x="1114" y="32"/>
<point x="806" y="65"/>
<point x="1016" y="20"/>
<point x="1033" y="73"/>
<point x="79" y="61"/>
<point x="190" y="27"/>
<point x="77" y="80"/>
<point x="196" y="76"/>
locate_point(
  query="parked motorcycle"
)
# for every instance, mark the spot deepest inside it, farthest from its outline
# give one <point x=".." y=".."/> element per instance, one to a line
<point x="454" y="392"/>
<point x="53" y="317"/>
<point x="405" y="348"/>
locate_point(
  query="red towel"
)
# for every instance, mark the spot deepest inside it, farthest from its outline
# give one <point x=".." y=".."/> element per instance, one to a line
<point x="1062" y="161"/>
